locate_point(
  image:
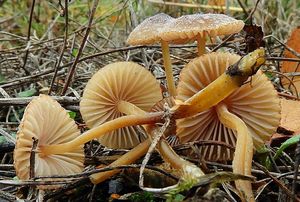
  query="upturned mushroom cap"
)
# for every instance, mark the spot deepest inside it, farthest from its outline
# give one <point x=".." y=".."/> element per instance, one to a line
<point x="188" y="27"/>
<point x="125" y="81"/>
<point x="256" y="103"/>
<point x="148" y="31"/>
<point x="46" y="121"/>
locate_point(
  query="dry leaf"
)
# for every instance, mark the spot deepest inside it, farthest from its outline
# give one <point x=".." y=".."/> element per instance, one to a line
<point x="290" y="115"/>
<point x="294" y="43"/>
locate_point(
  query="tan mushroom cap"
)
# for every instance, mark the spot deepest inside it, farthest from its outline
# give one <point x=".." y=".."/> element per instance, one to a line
<point x="188" y="27"/>
<point x="45" y="120"/>
<point x="125" y="81"/>
<point x="148" y="31"/>
<point x="256" y="103"/>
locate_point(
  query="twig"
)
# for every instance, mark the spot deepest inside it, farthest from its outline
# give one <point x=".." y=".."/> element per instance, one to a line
<point x="282" y="186"/>
<point x="283" y="75"/>
<point x="64" y="100"/>
<point x="82" y="45"/>
<point x="252" y="12"/>
<point x="283" y="59"/>
<point x="295" y="53"/>
<point x="222" y="44"/>
<point x="32" y="158"/>
<point x="63" y="48"/>
<point x="29" y="79"/>
<point x="7" y="136"/>
<point x="243" y="7"/>
<point x="28" y="38"/>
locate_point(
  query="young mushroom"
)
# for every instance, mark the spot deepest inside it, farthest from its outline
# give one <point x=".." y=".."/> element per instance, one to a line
<point x="148" y="33"/>
<point x="45" y="122"/>
<point x="250" y="112"/>
<point x="199" y="26"/>
<point x="114" y="91"/>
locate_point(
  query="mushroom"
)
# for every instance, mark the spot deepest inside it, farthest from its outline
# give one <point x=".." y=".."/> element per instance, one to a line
<point x="114" y="91"/>
<point x="214" y="93"/>
<point x="148" y="33"/>
<point x="48" y="123"/>
<point x="197" y="27"/>
<point x="252" y="111"/>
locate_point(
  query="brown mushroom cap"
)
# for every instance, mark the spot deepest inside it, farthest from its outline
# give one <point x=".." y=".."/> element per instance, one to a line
<point x="188" y="27"/>
<point x="45" y="120"/>
<point x="125" y="81"/>
<point x="257" y="104"/>
<point x="148" y="31"/>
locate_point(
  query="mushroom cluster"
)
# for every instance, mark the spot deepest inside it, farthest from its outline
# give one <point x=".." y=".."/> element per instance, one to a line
<point x="122" y="106"/>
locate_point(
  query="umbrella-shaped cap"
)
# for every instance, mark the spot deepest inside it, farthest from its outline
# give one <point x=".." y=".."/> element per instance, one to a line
<point x="148" y="31"/>
<point x="121" y="81"/>
<point x="186" y="28"/>
<point x="256" y="103"/>
<point x="46" y="121"/>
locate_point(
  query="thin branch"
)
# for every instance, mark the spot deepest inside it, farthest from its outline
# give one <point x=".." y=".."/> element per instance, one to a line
<point x="64" y="100"/>
<point x="28" y="38"/>
<point x="82" y="45"/>
<point x="63" y="48"/>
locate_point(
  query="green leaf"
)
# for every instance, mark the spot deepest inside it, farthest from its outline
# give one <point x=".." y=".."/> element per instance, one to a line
<point x="179" y="197"/>
<point x="263" y="150"/>
<point x="74" y="52"/>
<point x="72" y="114"/>
<point x="291" y="141"/>
<point x="27" y="93"/>
<point x="2" y="78"/>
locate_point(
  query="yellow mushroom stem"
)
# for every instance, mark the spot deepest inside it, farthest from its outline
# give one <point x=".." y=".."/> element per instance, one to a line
<point x="222" y="87"/>
<point x="201" y="41"/>
<point x="129" y="108"/>
<point x="204" y="99"/>
<point x="130" y="157"/>
<point x="131" y="120"/>
<point x="168" y="68"/>
<point x="169" y="155"/>
<point x="242" y="160"/>
<point x="166" y="151"/>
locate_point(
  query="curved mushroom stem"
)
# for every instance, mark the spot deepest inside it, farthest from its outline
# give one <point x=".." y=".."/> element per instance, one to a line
<point x="128" y="158"/>
<point x="223" y="86"/>
<point x="168" y="154"/>
<point x="189" y="169"/>
<point x="168" y="68"/>
<point x="129" y="108"/>
<point x="242" y="160"/>
<point x="201" y="44"/>
<point x="131" y="120"/>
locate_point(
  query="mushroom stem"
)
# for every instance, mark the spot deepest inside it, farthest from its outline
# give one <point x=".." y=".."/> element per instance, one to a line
<point x="128" y="158"/>
<point x="166" y="151"/>
<point x="170" y="156"/>
<point x="98" y="131"/>
<point x="201" y="44"/>
<point x="242" y="160"/>
<point x="129" y="108"/>
<point x="223" y="86"/>
<point x="168" y="68"/>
